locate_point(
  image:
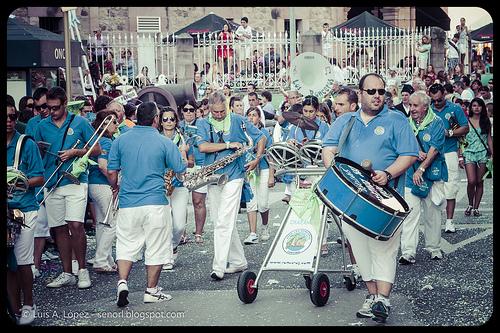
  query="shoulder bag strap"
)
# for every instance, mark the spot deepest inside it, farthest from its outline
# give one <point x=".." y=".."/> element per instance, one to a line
<point x="345" y="133"/>
<point x="485" y="146"/>
<point x="66" y="131"/>
<point x="17" y="155"/>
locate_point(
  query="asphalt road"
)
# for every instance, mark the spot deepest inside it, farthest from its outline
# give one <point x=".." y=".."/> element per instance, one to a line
<point x="455" y="291"/>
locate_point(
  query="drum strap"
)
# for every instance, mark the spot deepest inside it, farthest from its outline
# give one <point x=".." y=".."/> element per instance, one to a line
<point x="345" y="133"/>
<point x="19" y="148"/>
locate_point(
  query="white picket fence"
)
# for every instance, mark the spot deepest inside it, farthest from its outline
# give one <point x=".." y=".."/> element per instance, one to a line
<point x="356" y="51"/>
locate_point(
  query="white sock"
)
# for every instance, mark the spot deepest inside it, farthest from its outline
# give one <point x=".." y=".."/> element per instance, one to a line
<point x="383" y="298"/>
<point x="449" y="220"/>
<point x="153" y="290"/>
<point x="120" y="281"/>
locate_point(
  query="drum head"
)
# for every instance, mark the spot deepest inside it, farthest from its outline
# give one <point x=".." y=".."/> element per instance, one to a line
<point x="359" y="179"/>
<point x="283" y="155"/>
<point x="310" y="153"/>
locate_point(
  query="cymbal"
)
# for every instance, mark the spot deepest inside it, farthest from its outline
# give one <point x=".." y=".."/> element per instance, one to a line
<point x="299" y="120"/>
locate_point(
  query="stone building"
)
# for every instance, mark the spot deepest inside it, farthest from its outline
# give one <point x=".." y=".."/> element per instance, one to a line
<point x="171" y="19"/>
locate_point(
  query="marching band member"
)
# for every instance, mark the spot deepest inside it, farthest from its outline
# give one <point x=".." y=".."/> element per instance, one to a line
<point x="144" y="216"/>
<point x="179" y="194"/>
<point x="421" y="192"/>
<point x="30" y="163"/>
<point x="310" y="107"/>
<point x="120" y="110"/>
<point x="42" y="227"/>
<point x="261" y="179"/>
<point x="221" y="134"/>
<point x="199" y="195"/>
<point x="449" y="113"/>
<point x="100" y="193"/>
<point x="66" y="205"/>
<point x="386" y="139"/>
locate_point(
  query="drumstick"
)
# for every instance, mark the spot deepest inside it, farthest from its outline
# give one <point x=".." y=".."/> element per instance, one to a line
<point x="367" y="165"/>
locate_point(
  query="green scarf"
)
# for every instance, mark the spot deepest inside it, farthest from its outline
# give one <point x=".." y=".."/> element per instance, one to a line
<point x="222" y="125"/>
<point x="429" y="117"/>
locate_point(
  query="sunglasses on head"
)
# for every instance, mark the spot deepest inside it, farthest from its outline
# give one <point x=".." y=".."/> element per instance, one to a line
<point x="39" y="107"/>
<point x="434" y="89"/>
<point x="188" y="110"/>
<point x="168" y="119"/>
<point x="373" y="91"/>
<point x="12" y="116"/>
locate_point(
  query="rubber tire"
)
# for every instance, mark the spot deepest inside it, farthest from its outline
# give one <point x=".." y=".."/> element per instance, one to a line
<point x="349" y="284"/>
<point x="245" y="293"/>
<point x="308" y="281"/>
<point x="320" y="289"/>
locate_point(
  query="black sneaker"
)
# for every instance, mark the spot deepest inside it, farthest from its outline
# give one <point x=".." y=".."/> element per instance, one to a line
<point x="380" y="310"/>
<point x="406" y="260"/>
<point x="216" y="276"/>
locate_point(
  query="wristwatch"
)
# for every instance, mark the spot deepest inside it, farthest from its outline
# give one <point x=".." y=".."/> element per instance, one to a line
<point x="421" y="169"/>
<point x="227" y="144"/>
<point x="450" y="133"/>
<point x="389" y="175"/>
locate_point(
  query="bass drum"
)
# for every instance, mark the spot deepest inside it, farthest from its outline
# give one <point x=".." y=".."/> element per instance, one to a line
<point x="310" y="153"/>
<point x="284" y="155"/>
<point x="347" y="189"/>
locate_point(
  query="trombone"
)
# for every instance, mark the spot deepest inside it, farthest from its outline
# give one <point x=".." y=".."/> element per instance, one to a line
<point x="113" y="206"/>
<point x="79" y="164"/>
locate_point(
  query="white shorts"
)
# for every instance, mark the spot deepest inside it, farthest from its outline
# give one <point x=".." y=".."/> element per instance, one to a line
<point x="202" y="190"/>
<point x="145" y="225"/>
<point x="42" y="224"/>
<point x="260" y="200"/>
<point x="451" y="186"/>
<point x="376" y="259"/>
<point x="25" y="244"/>
<point x="66" y="203"/>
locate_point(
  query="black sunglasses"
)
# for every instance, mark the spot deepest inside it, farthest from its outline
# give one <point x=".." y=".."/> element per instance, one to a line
<point x="373" y="91"/>
<point x="434" y="88"/>
<point x="167" y="119"/>
<point x="39" y="107"/>
<point x="29" y="106"/>
<point x="12" y="116"/>
<point x="54" y="108"/>
<point x="188" y="110"/>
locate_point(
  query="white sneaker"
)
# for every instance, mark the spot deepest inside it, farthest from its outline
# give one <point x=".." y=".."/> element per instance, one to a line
<point x="251" y="239"/>
<point x="366" y="308"/>
<point x="84" y="279"/>
<point x="27" y="314"/>
<point x="122" y="294"/>
<point x="264" y="236"/>
<point x="50" y="255"/>
<point x="235" y="269"/>
<point x="64" y="279"/>
<point x="91" y="261"/>
<point x="36" y="272"/>
<point x="449" y="227"/>
<point x="436" y="255"/>
<point x="168" y="267"/>
<point x="74" y="267"/>
<point x="156" y="297"/>
<point x="44" y="257"/>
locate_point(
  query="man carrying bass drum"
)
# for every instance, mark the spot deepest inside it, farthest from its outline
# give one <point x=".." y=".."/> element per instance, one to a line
<point x="385" y="138"/>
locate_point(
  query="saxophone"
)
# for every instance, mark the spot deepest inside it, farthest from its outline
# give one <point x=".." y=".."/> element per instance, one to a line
<point x="454" y="125"/>
<point x="206" y="175"/>
<point x="170" y="174"/>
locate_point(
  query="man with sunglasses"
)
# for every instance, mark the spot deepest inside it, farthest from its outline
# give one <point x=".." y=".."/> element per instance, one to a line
<point x="21" y="278"/>
<point x="221" y="135"/>
<point x="67" y="202"/>
<point x="452" y="115"/>
<point x="142" y="156"/>
<point x="385" y="138"/>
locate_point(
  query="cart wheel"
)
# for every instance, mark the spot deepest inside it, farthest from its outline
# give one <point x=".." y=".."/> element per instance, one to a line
<point x="349" y="283"/>
<point x="308" y="280"/>
<point x="246" y="293"/>
<point x="320" y="289"/>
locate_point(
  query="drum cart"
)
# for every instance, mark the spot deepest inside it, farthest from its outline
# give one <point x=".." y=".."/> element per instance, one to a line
<point x="315" y="278"/>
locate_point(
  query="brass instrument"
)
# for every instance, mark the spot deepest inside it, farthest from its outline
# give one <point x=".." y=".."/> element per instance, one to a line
<point x="110" y="212"/>
<point x="455" y="125"/>
<point x="206" y="175"/>
<point x="169" y="175"/>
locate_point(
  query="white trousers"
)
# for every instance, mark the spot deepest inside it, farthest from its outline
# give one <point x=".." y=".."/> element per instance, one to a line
<point x="105" y="236"/>
<point x="224" y="206"/>
<point x="260" y="200"/>
<point x="432" y="224"/>
<point x="451" y="186"/>
<point x="178" y="202"/>
<point x="377" y="260"/>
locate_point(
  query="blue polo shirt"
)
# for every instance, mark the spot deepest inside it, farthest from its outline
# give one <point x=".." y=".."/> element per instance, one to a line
<point x="95" y="174"/>
<point x="199" y="158"/>
<point x="263" y="164"/>
<point x="297" y="134"/>
<point x="386" y="137"/>
<point x="451" y="144"/>
<point x="31" y="165"/>
<point x="236" y="169"/>
<point x="32" y="125"/>
<point x="143" y="155"/>
<point x="47" y="131"/>
<point x="431" y="136"/>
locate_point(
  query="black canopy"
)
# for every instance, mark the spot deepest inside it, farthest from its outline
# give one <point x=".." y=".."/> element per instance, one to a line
<point x="483" y="34"/>
<point x="209" y="24"/>
<point x="432" y="17"/>
<point x="364" y="20"/>
<point x="30" y="46"/>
